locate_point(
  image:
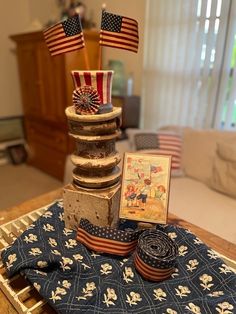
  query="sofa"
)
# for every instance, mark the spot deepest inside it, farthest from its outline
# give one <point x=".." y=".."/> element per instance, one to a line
<point x="204" y="191"/>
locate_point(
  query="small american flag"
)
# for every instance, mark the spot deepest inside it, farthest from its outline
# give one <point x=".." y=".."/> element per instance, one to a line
<point x="65" y="36"/>
<point x="107" y="240"/>
<point x="119" y="32"/>
<point x="155" y="169"/>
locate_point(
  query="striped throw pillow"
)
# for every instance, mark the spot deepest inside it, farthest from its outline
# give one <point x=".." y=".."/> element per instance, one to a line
<point x="168" y="144"/>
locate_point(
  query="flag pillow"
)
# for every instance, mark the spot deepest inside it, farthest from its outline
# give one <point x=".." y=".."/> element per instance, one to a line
<point x="159" y="143"/>
<point x="146" y="141"/>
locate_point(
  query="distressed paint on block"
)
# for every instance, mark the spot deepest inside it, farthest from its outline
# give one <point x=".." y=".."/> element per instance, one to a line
<point x="99" y="206"/>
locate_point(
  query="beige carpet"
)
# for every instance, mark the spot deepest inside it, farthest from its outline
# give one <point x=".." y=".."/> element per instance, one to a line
<point x="20" y="183"/>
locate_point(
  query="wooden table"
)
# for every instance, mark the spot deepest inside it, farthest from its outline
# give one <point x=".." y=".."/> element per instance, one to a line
<point x="220" y="245"/>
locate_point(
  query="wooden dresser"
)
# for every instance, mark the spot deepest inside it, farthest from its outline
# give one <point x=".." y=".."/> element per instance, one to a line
<point x="46" y="88"/>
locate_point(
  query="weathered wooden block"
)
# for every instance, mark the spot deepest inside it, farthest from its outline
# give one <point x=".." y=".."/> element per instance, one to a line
<point x="99" y="206"/>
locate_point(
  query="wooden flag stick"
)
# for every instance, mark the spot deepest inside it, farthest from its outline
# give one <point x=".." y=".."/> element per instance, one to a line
<point x="100" y="46"/>
<point x="86" y="59"/>
<point x="100" y="58"/>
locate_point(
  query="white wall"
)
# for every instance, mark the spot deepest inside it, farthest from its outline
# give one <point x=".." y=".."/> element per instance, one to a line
<point x="17" y="19"/>
<point x="43" y="10"/>
<point x="14" y="19"/>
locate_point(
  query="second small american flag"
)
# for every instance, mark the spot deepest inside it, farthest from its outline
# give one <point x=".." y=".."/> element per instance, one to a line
<point x="65" y="36"/>
<point x="119" y="32"/>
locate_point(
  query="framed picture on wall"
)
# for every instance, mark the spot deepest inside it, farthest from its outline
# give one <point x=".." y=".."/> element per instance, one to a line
<point x="145" y="187"/>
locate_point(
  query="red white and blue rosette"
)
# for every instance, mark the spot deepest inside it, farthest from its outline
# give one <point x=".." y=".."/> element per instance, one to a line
<point x="86" y="100"/>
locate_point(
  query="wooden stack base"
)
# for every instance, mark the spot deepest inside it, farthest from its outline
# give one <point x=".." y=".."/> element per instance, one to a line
<point x="99" y="206"/>
<point x="95" y="191"/>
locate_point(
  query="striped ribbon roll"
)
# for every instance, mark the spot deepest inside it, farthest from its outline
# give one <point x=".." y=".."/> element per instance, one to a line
<point x="106" y="239"/>
<point x="155" y="257"/>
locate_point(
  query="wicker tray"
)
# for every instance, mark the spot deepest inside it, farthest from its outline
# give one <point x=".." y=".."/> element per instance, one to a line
<point x="22" y="295"/>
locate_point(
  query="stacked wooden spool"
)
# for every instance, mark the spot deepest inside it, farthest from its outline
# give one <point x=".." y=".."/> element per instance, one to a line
<point x="95" y="158"/>
<point x="94" y="193"/>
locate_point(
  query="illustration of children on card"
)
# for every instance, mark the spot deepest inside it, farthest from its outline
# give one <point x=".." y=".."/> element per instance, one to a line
<point x="145" y="187"/>
<point x="130" y="194"/>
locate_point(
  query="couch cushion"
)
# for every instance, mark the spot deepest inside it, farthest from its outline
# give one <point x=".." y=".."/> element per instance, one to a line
<point x="227" y="149"/>
<point x="193" y="201"/>
<point x="199" y="150"/>
<point x="223" y="178"/>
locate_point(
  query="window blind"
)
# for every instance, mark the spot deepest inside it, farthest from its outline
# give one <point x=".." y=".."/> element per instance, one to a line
<point x="182" y="61"/>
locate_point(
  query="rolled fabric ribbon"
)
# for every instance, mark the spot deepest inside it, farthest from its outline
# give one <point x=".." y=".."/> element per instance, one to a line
<point x="155" y="253"/>
<point x="106" y="239"/>
<point x="155" y="256"/>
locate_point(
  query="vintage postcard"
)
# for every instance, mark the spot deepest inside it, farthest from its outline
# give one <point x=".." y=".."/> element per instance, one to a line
<point x="145" y="187"/>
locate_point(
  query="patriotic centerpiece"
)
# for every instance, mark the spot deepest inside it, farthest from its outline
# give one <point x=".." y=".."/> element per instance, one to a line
<point x="91" y="201"/>
<point x="70" y="274"/>
<point x="93" y="122"/>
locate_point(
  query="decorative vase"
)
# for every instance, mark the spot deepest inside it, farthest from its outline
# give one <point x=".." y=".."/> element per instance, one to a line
<point x="118" y="86"/>
<point x="94" y="124"/>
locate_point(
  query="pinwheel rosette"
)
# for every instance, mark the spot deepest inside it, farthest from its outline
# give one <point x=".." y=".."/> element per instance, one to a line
<point x="86" y="100"/>
<point x="156" y="255"/>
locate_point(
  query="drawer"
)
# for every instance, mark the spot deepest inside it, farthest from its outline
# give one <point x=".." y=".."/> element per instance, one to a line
<point x="48" y="160"/>
<point x="46" y="135"/>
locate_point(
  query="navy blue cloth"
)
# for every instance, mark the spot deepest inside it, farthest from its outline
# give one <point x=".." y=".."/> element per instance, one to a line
<point x="76" y="280"/>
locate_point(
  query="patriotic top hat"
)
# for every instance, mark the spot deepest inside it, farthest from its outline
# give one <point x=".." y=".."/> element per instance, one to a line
<point x="92" y="94"/>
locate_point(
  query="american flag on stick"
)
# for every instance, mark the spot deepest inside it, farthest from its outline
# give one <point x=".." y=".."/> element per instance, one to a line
<point x="65" y="36"/>
<point x="119" y="32"/>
